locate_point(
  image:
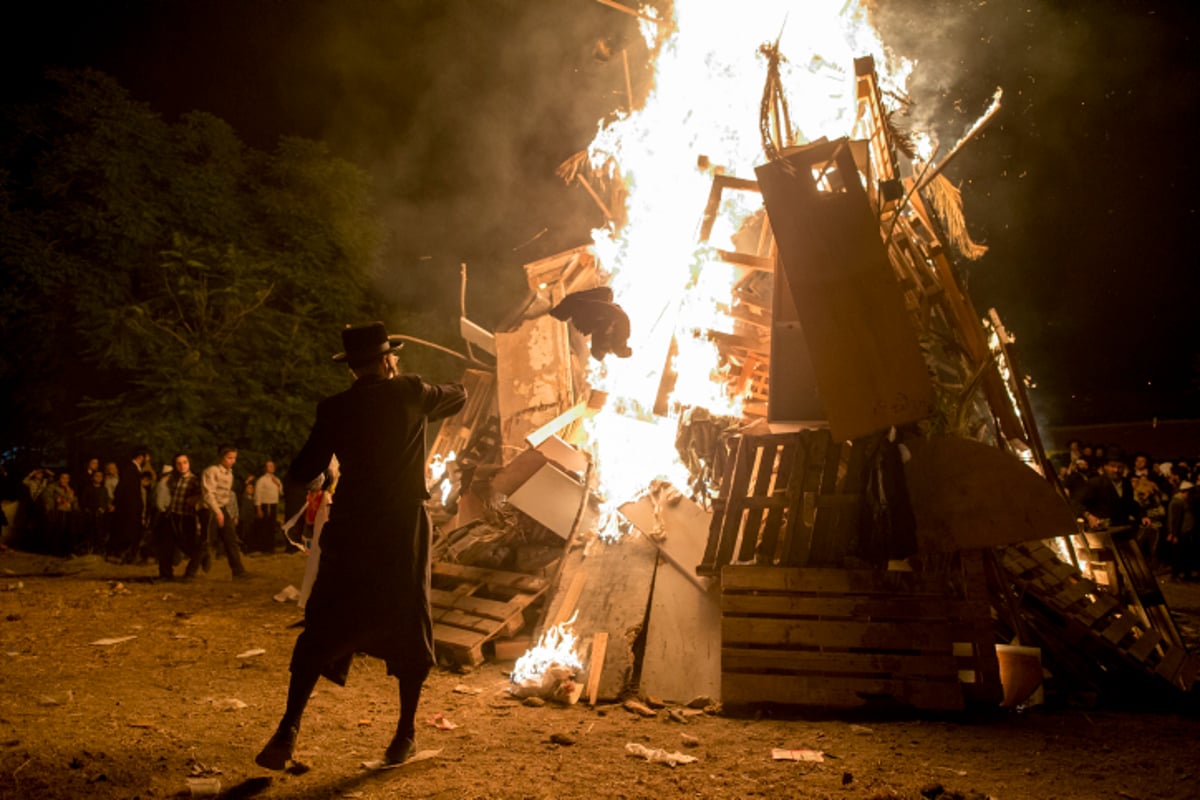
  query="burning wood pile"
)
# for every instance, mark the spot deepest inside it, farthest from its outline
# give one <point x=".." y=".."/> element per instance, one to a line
<point x="855" y="513"/>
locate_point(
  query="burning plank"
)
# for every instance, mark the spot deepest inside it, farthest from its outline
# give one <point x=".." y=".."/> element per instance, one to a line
<point x="864" y="350"/>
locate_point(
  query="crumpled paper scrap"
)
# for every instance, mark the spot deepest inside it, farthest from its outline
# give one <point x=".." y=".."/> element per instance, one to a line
<point x="441" y="722"/>
<point x="658" y="756"/>
<point x="288" y="594"/>
<point x="112" y="641"/>
<point x="423" y="755"/>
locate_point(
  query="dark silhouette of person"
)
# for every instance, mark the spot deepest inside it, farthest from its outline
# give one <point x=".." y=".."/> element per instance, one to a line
<point x="371" y="594"/>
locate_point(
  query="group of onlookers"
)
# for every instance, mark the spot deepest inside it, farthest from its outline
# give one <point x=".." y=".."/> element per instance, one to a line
<point x="1156" y="497"/>
<point x="127" y="512"/>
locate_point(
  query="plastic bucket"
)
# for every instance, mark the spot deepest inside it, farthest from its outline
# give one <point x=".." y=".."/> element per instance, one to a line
<point x="1020" y="672"/>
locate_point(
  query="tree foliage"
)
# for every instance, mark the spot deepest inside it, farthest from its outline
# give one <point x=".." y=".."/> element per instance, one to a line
<point x="166" y="284"/>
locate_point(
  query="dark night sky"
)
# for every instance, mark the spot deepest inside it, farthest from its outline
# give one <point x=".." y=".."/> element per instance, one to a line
<point x="1083" y="186"/>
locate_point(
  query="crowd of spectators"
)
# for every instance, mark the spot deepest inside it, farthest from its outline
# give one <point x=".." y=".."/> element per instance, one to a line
<point x="1157" y="498"/>
<point x="123" y="509"/>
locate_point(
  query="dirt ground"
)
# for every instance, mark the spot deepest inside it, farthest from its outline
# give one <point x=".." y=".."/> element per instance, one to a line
<point x="183" y="695"/>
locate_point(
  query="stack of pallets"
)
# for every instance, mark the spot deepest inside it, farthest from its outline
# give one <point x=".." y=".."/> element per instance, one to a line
<point x="839" y="638"/>
<point x="1087" y="626"/>
<point x="472" y="606"/>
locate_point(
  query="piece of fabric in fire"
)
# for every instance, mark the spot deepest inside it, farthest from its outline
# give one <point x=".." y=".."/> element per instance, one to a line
<point x="594" y="314"/>
<point x="371" y="594"/>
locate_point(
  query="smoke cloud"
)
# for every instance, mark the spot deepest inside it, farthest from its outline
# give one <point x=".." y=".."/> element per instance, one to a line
<point x="1074" y="185"/>
<point x="461" y="111"/>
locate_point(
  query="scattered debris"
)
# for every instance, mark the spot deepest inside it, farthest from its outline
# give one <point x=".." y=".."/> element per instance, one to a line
<point x="812" y="756"/>
<point x="462" y="688"/>
<point x="658" y="756"/>
<point x="423" y="755"/>
<point x="564" y="739"/>
<point x="204" y="787"/>
<point x="228" y="704"/>
<point x="689" y="740"/>
<point x="441" y="722"/>
<point x="639" y="708"/>
<point x="289" y="594"/>
<point x="112" y="641"/>
<point x="257" y="651"/>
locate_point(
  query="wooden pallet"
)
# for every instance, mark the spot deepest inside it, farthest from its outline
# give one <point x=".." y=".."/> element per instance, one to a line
<point x="472" y="605"/>
<point x="1085" y="619"/>
<point x="1115" y="560"/>
<point x="851" y="638"/>
<point x="784" y="500"/>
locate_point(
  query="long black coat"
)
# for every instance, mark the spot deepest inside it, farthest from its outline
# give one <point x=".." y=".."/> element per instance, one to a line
<point x="129" y="504"/>
<point x="371" y="594"/>
<point x="1100" y="498"/>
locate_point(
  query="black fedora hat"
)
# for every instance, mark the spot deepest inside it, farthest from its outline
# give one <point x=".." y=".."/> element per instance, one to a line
<point x="363" y="343"/>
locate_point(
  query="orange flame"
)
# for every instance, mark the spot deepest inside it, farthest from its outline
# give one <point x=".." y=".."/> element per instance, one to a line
<point x="703" y="109"/>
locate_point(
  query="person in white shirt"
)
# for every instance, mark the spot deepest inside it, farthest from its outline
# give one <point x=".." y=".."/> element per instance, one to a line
<point x="267" y="491"/>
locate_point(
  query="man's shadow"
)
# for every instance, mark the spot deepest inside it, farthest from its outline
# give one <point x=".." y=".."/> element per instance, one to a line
<point x="252" y="787"/>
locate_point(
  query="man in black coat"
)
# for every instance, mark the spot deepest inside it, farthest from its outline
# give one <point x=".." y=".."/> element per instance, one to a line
<point x="1107" y="499"/>
<point x="129" y="507"/>
<point x="372" y="590"/>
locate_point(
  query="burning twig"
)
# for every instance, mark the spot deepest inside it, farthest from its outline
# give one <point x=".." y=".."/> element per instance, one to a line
<point x="628" y="84"/>
<point x="531" y="239"/>
<point x="979" y="125"/>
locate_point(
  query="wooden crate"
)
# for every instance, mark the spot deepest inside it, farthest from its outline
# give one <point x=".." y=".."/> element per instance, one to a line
<point x="1086" y="619"/>
<point x="784" y="500"/>
<point x="472" y="605"/>
<point x="849" y="638"/>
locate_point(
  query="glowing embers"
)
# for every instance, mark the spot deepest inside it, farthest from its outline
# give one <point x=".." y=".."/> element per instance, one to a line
<point x="550" y="668"/>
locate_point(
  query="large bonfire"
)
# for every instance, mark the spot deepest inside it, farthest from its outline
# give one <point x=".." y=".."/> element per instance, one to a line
<point x="704" y="115"/>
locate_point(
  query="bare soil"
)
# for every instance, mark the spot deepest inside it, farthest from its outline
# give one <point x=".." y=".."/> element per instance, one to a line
<point x="186" y="697"/>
